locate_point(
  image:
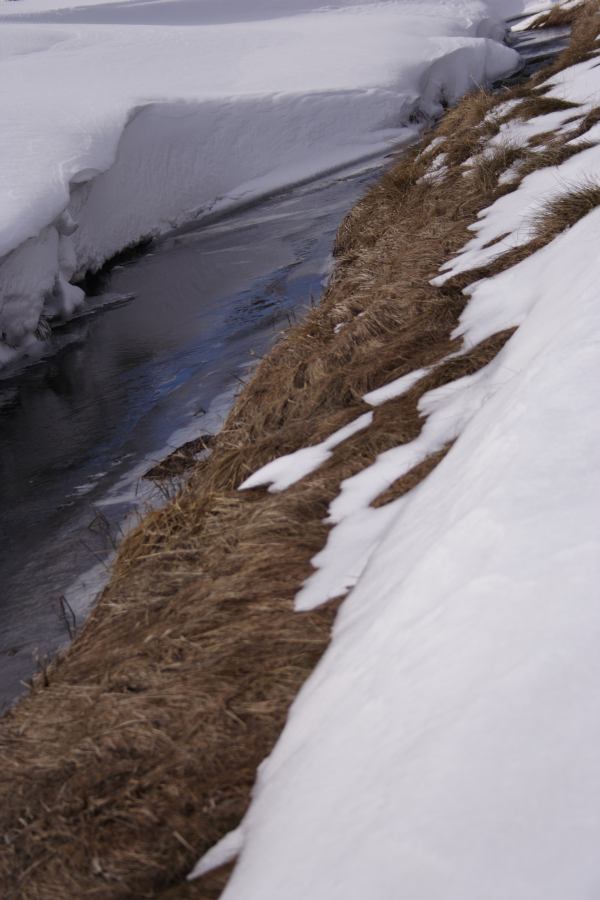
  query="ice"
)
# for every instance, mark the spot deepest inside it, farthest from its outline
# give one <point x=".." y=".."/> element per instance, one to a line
<point x="135" y="117"/>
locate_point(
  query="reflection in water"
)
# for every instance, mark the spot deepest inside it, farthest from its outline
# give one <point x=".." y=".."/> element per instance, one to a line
<point x="126" y="384"/>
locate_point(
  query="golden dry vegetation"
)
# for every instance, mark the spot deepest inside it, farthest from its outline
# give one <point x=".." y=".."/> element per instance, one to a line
<point x="137" y="748"/>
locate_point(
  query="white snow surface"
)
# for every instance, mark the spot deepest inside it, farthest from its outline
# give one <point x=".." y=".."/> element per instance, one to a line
<point x="122" y="120"/>
<point x="395" y="388"/>
<point x="445" y="748"/>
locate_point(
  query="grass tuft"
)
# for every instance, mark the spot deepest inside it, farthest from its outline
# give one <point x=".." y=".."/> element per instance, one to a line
<point x="557" y="17"/>
<point x="565" y="211"/>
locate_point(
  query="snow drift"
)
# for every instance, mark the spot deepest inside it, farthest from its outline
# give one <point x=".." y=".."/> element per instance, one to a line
<point x="123" y="121"/>
<point x="444" y="748"/>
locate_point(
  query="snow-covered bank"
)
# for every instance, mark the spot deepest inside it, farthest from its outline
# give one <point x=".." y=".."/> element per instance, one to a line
<point x="445" y="745"/>
<point x="120" y="128"/>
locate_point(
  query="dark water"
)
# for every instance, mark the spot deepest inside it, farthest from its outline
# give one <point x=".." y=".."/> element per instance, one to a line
<point x="132" y="381"/>
<point x="537" y="47"/>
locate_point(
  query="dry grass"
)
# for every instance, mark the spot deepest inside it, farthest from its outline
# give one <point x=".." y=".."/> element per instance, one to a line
<point x="182" y="459"/>
<point x="583" y="44"/>
<point x="537" y="105"/>
<point x="138" y="748"/>
<point x="561" y="213"/>
<point x="557" y="17"/>
<point x="588" y="122"/>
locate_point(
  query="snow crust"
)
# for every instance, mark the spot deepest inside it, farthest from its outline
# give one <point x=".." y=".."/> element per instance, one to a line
<point x="445" y="746"/>
<point x="123" y="120"/>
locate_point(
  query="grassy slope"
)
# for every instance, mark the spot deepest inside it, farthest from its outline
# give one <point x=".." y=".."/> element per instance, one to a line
<point x="138" y="749"/>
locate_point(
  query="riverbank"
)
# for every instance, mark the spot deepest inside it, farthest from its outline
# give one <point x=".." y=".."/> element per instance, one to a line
<point x="157" y="360"/>
<point x="138" y="749"/>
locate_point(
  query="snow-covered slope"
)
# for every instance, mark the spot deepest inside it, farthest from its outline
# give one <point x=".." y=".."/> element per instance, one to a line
<point x="445" y="747"/>
<point x="121" y="120"/>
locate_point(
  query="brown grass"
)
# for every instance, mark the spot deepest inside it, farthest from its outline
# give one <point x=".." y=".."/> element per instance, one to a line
<point x="138" y="748"/>
<point x="557" y="17"/>
<point x="182" y="459"/>
<point x="561" y="213"/>
<point x="537" y="105"/>
<point x="582" y="46"/>
<point x="588" y="122"/>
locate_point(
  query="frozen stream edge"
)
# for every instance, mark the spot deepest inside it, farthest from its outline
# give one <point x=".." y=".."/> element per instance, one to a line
<point x="146" y="175"/>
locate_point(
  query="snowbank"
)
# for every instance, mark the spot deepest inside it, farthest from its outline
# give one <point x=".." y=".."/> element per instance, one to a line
<point x="445" y="746"/>
<point x="124" y="120"/>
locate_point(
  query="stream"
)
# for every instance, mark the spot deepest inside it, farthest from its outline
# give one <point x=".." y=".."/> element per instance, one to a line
<point x="155" y="360"/>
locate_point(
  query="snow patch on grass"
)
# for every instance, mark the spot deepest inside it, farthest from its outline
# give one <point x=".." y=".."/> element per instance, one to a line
<point x="511" y="221"/>
<point x="281" y="473"/>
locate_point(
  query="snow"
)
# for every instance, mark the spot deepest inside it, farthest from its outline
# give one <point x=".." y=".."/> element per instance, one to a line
<point x="395" y="388"/>
<point x="445" y="745"/>
<point x="433" y="145"/>
<point x="532" y="21"/>
<point x="284" y="471"/>
<point x="516" y="133"/>
<point x="513" y="217"/>
<point x="445" y="748"/>
<point x="502" y="110"/>
<point x="222" y="853"/>
<point x="123" y="120"/>
<point x="437" y="170"/>
<point x="511" y="221"/>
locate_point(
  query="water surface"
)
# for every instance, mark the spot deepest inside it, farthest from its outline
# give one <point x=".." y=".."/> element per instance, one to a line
<point x="126" y="384"/>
